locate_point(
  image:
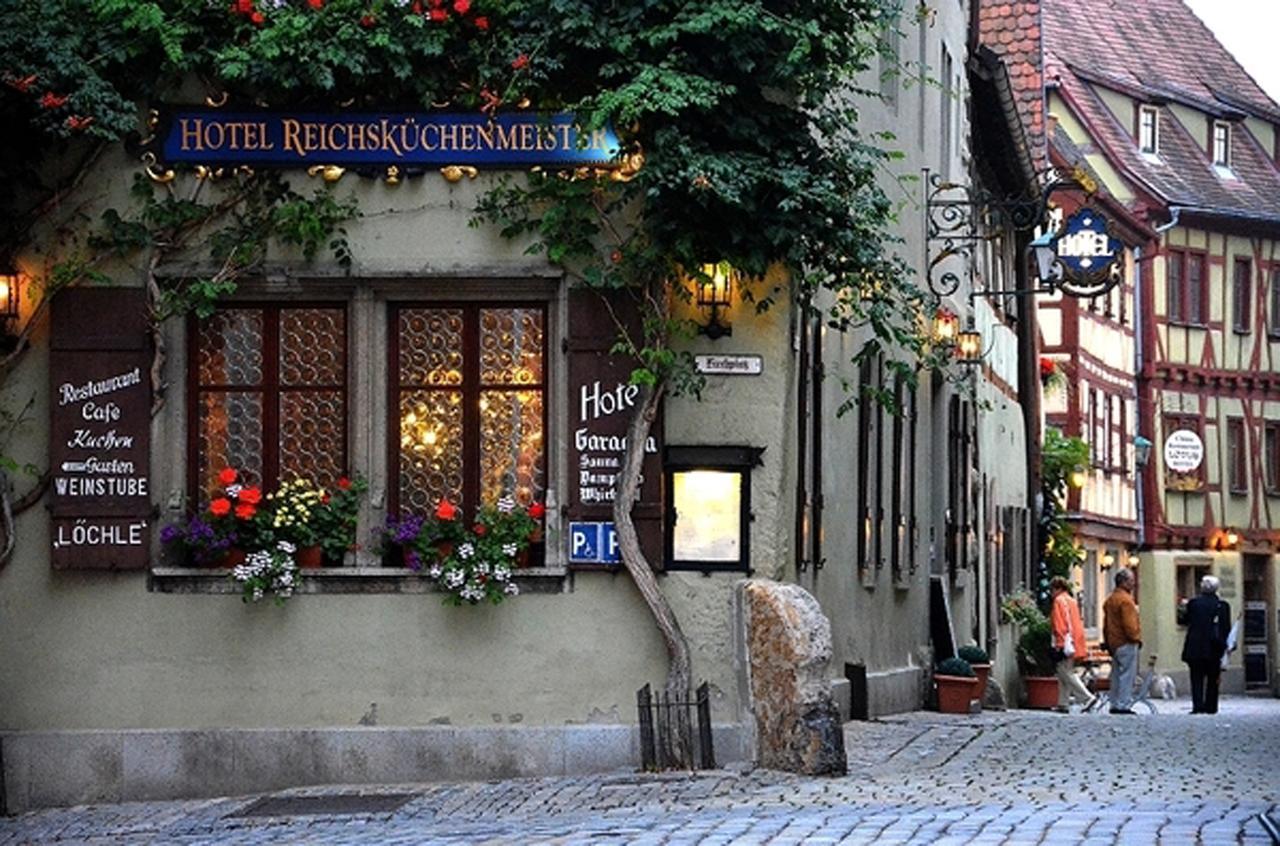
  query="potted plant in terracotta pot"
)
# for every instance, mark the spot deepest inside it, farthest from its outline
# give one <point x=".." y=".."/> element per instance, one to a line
<point x="981" y="664"/>
<point x="1035" y="641"/>
<point x="957" y="686"/>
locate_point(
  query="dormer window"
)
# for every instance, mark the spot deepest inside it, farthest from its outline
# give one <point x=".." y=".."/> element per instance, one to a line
<point x="1148" y="130"/>
<point x="1221" y="144"/>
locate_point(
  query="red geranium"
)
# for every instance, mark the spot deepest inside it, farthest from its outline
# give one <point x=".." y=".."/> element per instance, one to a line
<point x="52" y="101"/>
<point x="220" y="507"/>
<point x="244" y="7"/>
<point x="258" y="18"/>
<point x="482" y="23"/>
<point x="368" y="21"/>
<point x="480" y="529"/>
<point x="250" y="496"/>
<point x="245" y="511"/>
<point x="520" y="62"/>
<point x="344" y="484"/>
<point x="537" y="510"/>
<point x="1046" y="367"/>
<point x="439" y="15"/>
<point x="227" y="477"/>
<point x="78" y="122"/>
<point x="462" y="6"/>
<point x="315" y="4"/>
<point x="446" y="510"/>
<point x="24" y="84"/>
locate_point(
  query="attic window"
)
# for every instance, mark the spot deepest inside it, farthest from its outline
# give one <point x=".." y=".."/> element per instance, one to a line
<point x="1221" y="144"/>
<point x="1148" y="131"/>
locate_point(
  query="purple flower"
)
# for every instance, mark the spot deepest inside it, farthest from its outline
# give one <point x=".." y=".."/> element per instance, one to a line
<point x="169" y="534"/>
<point x="412" y="560"/>
<point x="404" y="530"/>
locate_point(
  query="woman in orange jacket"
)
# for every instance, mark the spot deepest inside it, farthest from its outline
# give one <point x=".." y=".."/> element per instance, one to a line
<point x="1064" y="619"/>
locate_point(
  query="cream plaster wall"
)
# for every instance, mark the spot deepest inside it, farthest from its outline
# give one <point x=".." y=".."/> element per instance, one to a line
<point x="100" y="650"/>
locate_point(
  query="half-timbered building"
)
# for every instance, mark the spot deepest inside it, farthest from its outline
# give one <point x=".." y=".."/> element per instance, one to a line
<point x="1185" y="143"/>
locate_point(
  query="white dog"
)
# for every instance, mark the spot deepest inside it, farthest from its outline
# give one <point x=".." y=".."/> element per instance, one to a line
<point x="1164" y="688"/>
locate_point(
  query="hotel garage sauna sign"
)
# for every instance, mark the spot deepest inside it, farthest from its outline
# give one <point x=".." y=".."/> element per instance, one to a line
<point x="424" y="139"/>
<point x="99" y="448"/>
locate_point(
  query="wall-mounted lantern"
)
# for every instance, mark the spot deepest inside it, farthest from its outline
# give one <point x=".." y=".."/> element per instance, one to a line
<point x="714" y="287"/>
<point x="1224" y="540"/>
<point x="969" y="346"/>
<point x="1046" y="257"/>
<point x="1078" y="476"/>
<point x="9" y="280"/>
<point x="946" y="326"/>
<point x="1141" y="451"/>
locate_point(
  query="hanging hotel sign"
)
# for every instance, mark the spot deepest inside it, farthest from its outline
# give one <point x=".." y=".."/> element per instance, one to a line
<point x="1089" y="256"/>
<point x="382" y="139"/>
<point x="99" y="451"/>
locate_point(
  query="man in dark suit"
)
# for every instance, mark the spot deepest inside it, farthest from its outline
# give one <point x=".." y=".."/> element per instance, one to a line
<point x="1208" y="624"/>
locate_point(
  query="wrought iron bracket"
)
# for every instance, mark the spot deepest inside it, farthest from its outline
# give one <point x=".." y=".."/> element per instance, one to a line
<point x="958" y="217"/>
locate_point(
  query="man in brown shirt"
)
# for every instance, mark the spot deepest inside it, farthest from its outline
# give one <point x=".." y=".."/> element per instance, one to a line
<point x="1122" y="631"/>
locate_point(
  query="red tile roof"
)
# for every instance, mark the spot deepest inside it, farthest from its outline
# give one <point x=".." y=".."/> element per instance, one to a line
<point x="1012" y="30"/>
<point x="1158" y="51"/>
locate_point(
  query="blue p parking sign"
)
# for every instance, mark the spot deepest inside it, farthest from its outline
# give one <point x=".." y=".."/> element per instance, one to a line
<point x="593" y="543"/>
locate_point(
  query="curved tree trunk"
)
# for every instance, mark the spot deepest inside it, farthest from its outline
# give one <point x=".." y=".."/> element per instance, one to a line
<point x="627" y="491"/>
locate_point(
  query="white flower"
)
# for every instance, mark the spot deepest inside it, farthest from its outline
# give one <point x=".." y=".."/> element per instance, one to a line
<point x="466" y="551"/>
<point x="435" y="571"/>
<point x="510" y="549"/>
<point x="511" y="589"/>
<point x="501" y="573"/>
<point x="483" y="567"/>
<point x="506" y="505"/>
<point x="286" y="547"/>
<point x="233" y="491"/>
<point x="455" y="578"/>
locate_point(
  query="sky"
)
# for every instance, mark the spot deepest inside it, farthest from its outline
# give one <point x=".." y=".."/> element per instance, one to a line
<point x="1247" y="28"/>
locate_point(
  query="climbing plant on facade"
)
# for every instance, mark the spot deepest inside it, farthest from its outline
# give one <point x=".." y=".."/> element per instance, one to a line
<point x="744" y="114"/>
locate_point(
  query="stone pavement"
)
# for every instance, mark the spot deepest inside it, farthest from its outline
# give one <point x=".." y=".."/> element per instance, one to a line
<point x="1015" y="777"/>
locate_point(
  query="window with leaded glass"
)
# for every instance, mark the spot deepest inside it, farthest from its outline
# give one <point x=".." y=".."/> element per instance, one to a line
<point x="468" y="405"/>
<point x="268" y="395"/>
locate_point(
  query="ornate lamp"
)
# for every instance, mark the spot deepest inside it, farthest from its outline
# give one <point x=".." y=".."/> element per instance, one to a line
<point x="715" y="291"/>
<point x="9" y="279"/>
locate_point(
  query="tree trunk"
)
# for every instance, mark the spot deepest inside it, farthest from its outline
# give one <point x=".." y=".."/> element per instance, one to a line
<point x="627" y="491"/>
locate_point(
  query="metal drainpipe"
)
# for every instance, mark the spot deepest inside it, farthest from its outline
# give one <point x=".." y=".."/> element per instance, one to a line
<point x="1175" y="212"/>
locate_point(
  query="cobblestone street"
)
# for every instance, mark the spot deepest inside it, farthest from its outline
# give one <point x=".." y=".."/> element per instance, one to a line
<point x="1015" y="777"/>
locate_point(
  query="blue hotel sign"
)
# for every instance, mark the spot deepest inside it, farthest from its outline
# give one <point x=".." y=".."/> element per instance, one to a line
<point x="382" y="139"/>
<point x="1090" y="256"/>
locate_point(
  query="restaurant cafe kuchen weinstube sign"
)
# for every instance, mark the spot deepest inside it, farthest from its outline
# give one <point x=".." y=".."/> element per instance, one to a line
<point x="99" y="450"/>
<point x="381" y="139"/>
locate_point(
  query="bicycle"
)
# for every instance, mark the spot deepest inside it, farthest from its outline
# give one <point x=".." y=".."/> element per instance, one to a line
<point x="1102" y="694"/>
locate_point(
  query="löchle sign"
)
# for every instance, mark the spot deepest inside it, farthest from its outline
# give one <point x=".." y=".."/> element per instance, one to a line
<point x="423" y="139"/>
<point x="99" y="451"/>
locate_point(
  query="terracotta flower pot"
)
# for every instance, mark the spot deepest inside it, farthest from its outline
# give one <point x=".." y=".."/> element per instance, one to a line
<point x="232" y="558"/>
<point x="1042" y="691"/>
<point x="955" y="693"/>
<point x="310" y="557"/>
<point x="983" y="672"/>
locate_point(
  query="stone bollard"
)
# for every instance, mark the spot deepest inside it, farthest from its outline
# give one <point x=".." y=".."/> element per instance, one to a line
<point x="786" y="644"/>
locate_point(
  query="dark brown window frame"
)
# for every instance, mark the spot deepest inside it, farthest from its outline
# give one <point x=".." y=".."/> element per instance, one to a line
<point x="1237" y="456"/>
<point x="471" y="388"/>
<point x="1273" y="325"/>
<point x="1271" y="455"/>
<point x="270" y="389"/>
<point x="1241" y="300"/>
<point x="1183" y="316"/>
<point x="1225" y="161"/>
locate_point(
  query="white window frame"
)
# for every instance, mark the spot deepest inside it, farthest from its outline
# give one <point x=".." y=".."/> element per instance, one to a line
<point x="1221" y="155"/>
<point x="1152" y="149"/>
